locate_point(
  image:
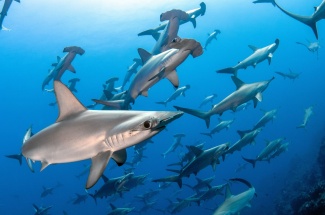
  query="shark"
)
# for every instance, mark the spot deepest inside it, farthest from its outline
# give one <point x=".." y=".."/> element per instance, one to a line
<point x="178" y="92"/>
<point x="47" y="191"/>
<point x="311" y="46"/>
<point x="63" y="64"/>
<point x="271" y="146"/>
<point x="158" y="67"/>
<point x="233" y="204"/>
<point x="211" y="36"/>
<point x="4" y="12"/>
<point x="80" y="198"/>
<point x="208" y="99"/>
<point x="119" y="211"/>
<point x="41" y="210"/>
<point x="202" y="159"/>
<point x="80" y="134"/>
<point x="267" y="117"/>
<point x="319" y="14"/>
<point x="16" y="157"/>
<point x="244" y="93"/>
<point x="259" y="55"/>
<point x="265" y="1"/>
<point x="283" y="148"/>
<point x="212" y="192"/>
<point x="308" y="113"/>
<point x="291" y="75"/>
<point x="201" y="183"/>
<point x="133" y="69"/>
<point x="173" y="147"/>
<point x="223" y="124"/>
<point x="192" y="15"/>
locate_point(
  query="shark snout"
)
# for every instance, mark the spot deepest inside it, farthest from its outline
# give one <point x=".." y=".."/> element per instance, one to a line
<point x="168" y="117"/>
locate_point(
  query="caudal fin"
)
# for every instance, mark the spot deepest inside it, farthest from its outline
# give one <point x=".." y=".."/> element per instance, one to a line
<point x="162" y="103"/>
<point x="251" y="161"/>
<point x="229" y="70"/>
<point x="173" y="178"/>
<point x="201" y="114"/>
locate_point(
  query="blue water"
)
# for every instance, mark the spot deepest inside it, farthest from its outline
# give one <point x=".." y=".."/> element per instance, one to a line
<point x="107" y="31"/>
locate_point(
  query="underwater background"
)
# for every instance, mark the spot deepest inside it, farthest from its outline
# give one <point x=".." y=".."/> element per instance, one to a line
<point x="107" y="31"/>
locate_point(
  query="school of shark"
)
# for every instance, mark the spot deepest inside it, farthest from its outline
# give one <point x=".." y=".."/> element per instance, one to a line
<point x="110" y="126"/>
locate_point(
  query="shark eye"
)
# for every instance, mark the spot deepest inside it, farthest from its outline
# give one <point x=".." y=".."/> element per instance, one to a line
<point x="175" y="40"/>
<point x="147" y="124"/>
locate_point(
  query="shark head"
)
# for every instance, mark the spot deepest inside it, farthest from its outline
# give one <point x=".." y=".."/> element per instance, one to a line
<point x="74" y="49"/>
<point x="172" y="14"/>
<point x="187" y="45"/>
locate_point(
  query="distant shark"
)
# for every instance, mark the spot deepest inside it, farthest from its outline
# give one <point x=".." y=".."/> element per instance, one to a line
<point x="192" y="15"/>
<point x="308" y="113"/>
<point x="233" y="204"/>
<point x="259" y="55"/>
<point x="80" y="134"/>
<point x="211" y="36"/>
<point x="291" y="75"/>
<point x="4" y="12"/>
<point x="180" y="91"/>
<point x="131" y="70"/>
<point x="244" y="93"/>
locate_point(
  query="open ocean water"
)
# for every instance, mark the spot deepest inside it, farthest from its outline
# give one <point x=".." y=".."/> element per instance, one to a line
<point x="107" y="31"/>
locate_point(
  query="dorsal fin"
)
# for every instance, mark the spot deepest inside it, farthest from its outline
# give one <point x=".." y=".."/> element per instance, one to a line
<point x="252" y="47"/>
<point x="239" y="83"/>
<point x="105" y="179"/>
<point x="145" y="55"/>
<point x="197" y="151"/>
<point x="228" y="192"/>
<point x="67" y="102"/>
<point x="112" y="206"/>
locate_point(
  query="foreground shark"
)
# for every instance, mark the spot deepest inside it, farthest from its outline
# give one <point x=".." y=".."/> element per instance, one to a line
<point x="202" y="159"/>
<point x="244" y="93"/>
<point x="180" y="91"/>
<point x="259" y="55"/>
<point x="63" y="64"/>
<point x="4" y="12"/>
<point x="80" y="134"/>
<point x="157" y="67"/>
<point x="192" y="15"/>
<point x="311" y="20"/>
<point x="308" y="113"/>
<point x="211" y="36"/>
<point x="223" y="124"/>
<point x="233" y="204"/>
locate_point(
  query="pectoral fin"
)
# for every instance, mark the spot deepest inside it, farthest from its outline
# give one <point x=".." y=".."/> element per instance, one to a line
<point x="71" y="69"/>
<point x="159" y="75"/>
<point x="99" y="163"/>
<point x="259" y="96"/>
<point x="120" y="157"/>
<point x="173" y="78"/>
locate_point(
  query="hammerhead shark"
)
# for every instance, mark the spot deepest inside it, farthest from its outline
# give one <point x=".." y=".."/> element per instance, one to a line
<point x="244" y="93"/>
<point x="192" y="15"/>
<point x="80" y="134"/>
<point x="233" y="204"/>
<point x="180" y="91"/>
<point x="4" y="12"/>
<point x="259" y="55"/>
<point x="311" y="20"/>
<point x="308" y="113"/>
<point x="211" y="36"/>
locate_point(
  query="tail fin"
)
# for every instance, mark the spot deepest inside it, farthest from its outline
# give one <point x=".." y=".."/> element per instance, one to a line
<point x="201" y="114"/>
<point x="251" y="161"/>
<point x="301" y="126"/>
<point x="162" y="103"/>
<point x="151" y="32"/>
<point x="93" y="198"/>
<point x="229" y="70"/>
<point x="173" y="178"/>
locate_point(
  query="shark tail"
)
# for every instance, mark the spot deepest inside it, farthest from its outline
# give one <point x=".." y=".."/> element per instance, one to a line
<point x="229" y="70"/>
<point x="151" y="32"/>
<point x="162" y="103"/>
<point x="207" y="134"/>
<point x="301" y="126"/>
<point x="173" y="178"/>
<point x="251" y="161"/>
<point x="95" y="199"/>
<point x="201" y="114"/>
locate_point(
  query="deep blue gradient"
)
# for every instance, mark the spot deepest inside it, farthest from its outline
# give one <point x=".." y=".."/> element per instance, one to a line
<point x="107" y="31"/>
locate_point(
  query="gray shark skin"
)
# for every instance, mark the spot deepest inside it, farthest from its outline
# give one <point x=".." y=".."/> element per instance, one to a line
<point x="131" y="70"/>
<point x="147" y="196"/>
<point x="202" y="159"/>
<point x="311" y="46"/>
<point x="63" y="64"/>
<point x="267" y="117"/>
<point x="157" y="67"/>
<point x="162" y="41"/>
<point x="271" y="147"/>
<point x="119" y="211"/>
<point x="110" y="187"/>
<point x="311" y="20"/>
<point x="233" y="204"/>
<point x="201" y="183"/>
<point x="265" y="1"/>
<point x="211" y="192"/>
<point x="259" y="55"/>
<point x="211" y="36"/>
<point x="308" y="113"/>
<point x="173" y="147"/>
<point x="192" y="15"/>
<point x="186" y="157"/>
<point x="208" y="99"/>
<point x="247" y="137"/>
<point x="179" y="92"/>
<point x="244" y="93"/>
<point x="279" y="151"/>
<point x="174" y="18"/>
<point x="80" y="198"/>
<point x="4" y="12"/>
<point x="134" y="181"/>
<point x="223" y="124"/>
<point x="182" y="204"/>
<point x="41" y="210"/>
<point x="80" y="134"/>
<point x="291" y="75"/>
